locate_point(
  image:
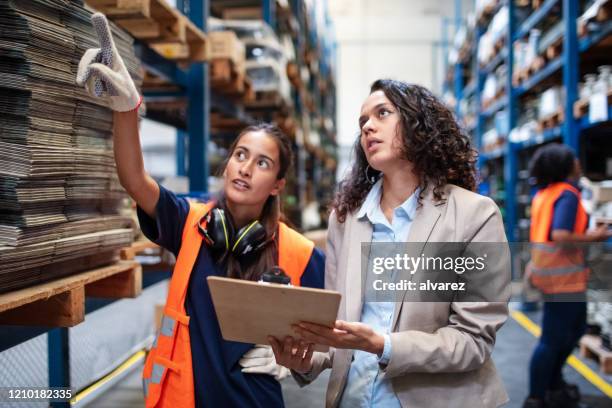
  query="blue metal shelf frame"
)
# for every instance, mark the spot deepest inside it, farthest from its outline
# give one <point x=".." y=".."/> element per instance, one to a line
<point x="548" y="70"/>
<point x="511" y="159"/>
<point x="593" y="39"/>
<point x="585" y="123"/>
<point x="502" y="103"/>
<point x="544" y="137"/>
<point x="502" y="56"/>
<point x="534" y="19"/>
<point x="269" y="13"/>
<point x="568" y="64"/>
<point x="570" y="72"/>
<point x="198" y="110"/>
<point x="160" y="66"/>
<point x="469" y="90"/>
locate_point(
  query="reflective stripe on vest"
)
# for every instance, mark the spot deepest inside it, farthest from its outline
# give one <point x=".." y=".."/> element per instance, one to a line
<point x="168" y="365"/>
<point x="554" y="268"/>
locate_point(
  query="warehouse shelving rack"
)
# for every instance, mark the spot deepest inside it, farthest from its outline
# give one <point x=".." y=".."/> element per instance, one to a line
<point x="198" y="124"/>
<point x="293" y="18"/>
<point x="570" y="132"/>
<point x="191" y="85"/>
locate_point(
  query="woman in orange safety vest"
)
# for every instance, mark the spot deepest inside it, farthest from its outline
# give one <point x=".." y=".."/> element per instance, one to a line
<point x="559" y="271"/>
<point x="239" y="235"/>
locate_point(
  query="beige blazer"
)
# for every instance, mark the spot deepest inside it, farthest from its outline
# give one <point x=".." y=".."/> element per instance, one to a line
<point x="440" y="351"/>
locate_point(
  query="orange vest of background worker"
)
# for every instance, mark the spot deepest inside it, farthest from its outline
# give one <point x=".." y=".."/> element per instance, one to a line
<point x="555" y="268"/>
<point x="168" y="373"/>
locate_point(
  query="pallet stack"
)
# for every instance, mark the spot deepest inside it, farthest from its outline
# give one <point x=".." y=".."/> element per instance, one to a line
<point x="227" y="58"/>
<point x="59" y="192"/>
<point x="158" y="24"/>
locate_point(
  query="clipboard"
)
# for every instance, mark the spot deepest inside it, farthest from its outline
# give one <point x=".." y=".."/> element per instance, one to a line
<point x="249" y="311"/>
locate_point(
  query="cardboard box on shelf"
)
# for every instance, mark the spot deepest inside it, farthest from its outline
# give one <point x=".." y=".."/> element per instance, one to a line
<point x="225" y="44"/>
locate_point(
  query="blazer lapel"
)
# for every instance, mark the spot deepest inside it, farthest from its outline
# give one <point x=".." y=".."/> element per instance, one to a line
<point x="359" y="231"/>
<point x="425" y="220"/>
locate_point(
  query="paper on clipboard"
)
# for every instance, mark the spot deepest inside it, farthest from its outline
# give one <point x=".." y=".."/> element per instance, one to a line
<point x="249" y="312"/>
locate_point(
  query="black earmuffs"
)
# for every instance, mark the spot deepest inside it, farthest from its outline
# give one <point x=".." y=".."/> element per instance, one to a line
<point x="219" y="234"/>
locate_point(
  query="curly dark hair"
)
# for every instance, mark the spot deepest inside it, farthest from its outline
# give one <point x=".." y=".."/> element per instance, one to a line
<point x="552" y="163"/>
<point x="432" y="140"/>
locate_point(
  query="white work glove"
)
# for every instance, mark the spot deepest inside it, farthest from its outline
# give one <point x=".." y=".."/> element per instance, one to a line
<point x="260" y="360"/>
<point x="103" y="72"/>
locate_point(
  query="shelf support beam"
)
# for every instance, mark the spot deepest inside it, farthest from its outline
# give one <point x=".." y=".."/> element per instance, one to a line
<point x="571" y="63"/>
<point x="198" y="110"/>
<point x="511" y="162"/>
<point x="58" y="343"/>
<point x="269" y="13"/>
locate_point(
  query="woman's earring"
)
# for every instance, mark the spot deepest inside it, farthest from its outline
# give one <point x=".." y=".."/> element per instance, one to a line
<point x="371" y="179"/>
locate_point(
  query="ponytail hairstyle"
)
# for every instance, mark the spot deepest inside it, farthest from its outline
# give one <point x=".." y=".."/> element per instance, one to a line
<point x="252" y="267"/>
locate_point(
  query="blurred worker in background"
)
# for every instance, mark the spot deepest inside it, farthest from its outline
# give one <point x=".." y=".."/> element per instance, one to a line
<point x="559" y="271"/>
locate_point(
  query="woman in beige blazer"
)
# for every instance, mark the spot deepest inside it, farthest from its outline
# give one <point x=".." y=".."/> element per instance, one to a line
<point x="412" y="181"/>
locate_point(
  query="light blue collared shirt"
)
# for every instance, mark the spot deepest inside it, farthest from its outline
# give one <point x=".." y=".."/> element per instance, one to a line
<point x="365" y="387"/>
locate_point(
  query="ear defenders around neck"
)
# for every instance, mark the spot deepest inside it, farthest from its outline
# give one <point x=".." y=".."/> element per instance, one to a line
<point x="219" y="234"/>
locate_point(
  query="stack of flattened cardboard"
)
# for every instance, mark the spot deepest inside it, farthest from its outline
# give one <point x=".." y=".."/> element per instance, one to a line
<point x="59" y="193"/>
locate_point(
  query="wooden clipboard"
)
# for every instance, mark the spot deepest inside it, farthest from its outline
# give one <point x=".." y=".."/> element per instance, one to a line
<point x="249" y="311"/>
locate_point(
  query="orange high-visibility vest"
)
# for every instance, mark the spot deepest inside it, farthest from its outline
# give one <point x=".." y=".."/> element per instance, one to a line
<point x="555" y="268"/>
<point x="168" y="371"/>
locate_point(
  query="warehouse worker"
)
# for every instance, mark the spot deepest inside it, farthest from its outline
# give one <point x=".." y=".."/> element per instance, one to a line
<point x="411" y="181"/>
<point x="559" y="271"/>
<point x="239" y="236"/>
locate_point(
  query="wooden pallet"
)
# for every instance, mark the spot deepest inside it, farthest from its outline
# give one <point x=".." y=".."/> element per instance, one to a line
<point x="153" y="83"/>
<point x="499" y="45"/>
<point x="487" y="103"/>
<point x="500" y="92"/>
<point x="537" y="64"/>
<point x="240" y="88"/>
<point x="581" y="106"/>
<point x="61" y="303"/>
<point x="267" y="99"/>
<point x="137" y="247"/>
<point x="193" y="49"/>
<point x="554" y="50"/>
<point x="196" y="40"/>
<point x="293" y="73"/>
<point x="286" y="123"/>
<point x="145" y="19"/>
<point x="487" y="12"/>
<point x="518" y="76"/>
<point x="552" y="120"/>
<point x="222" y="71"/>
<point x="521" y="75"/>
<point x="590" y="347"/>
<point x="308" y="102"/>
<point x="228" y="79"/>
<point x="160" y="25"/>
<point x="222" y="123"/>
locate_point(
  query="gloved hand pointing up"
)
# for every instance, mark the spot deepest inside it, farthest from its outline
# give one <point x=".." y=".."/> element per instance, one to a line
<point x="103" y="72"/>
